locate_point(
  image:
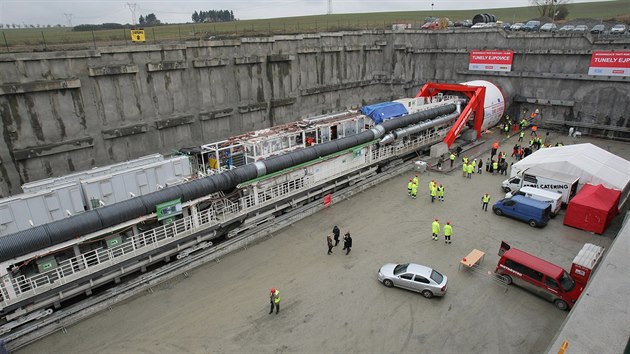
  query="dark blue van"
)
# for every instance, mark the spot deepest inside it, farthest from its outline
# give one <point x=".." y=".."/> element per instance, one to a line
<point x="532" y="211"/>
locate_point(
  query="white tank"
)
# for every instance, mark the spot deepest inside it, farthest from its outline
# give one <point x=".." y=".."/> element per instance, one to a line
<point x="493" y="105"/>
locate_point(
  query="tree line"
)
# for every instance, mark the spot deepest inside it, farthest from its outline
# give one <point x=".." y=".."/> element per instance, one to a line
<point x="213" y="16"/>
<point x="83" y="28"/>
<point x="24" y="25"/>
<point x="148" y="20"/>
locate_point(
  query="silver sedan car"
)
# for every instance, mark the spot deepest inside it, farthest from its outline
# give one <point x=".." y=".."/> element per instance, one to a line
<point x="415" y="277"/>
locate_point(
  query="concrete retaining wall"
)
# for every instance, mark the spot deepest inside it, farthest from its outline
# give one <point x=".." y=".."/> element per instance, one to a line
<point x="69" y="111"/>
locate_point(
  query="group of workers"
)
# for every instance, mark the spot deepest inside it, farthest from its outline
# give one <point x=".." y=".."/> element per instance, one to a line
<point x="448" y="231"/>
<point x="468" y="168"/>
<point x="499" y="165"/>
<point x="435" y="190"/>
<point x="515" y="127"/>
<point x="494" y="166"/>
<point x="347" y="240"/>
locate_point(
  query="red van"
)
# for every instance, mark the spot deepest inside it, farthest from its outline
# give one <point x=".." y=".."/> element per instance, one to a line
<point x="539" y="276"/>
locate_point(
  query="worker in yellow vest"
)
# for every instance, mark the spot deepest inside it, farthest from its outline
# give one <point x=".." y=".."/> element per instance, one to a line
<point x="415" y="180"/>
<point x="523" y="123"/>
<point x="433" y="192"/>
<point x="414" y="190"/>
<point x="470" y="170"/>
<point x="495" y="167"/>
<point x="465" y="169"/>
<point x="435" y="227"/>
<point x="485" y="199"/>
<point x="409" y="185"/>
<point x="448" y="231"/>
<point x="440" y="192"/>
<point x="274" y="299"/>
<point x="452" y="158"/>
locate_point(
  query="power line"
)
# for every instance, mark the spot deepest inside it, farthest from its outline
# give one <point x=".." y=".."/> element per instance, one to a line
<point x="132" y="8"/>
<point x="330" y="11"/>
<point x="68" y="19"/>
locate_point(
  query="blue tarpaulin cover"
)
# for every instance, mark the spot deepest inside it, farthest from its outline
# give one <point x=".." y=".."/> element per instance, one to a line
<point x="382" y="111"/>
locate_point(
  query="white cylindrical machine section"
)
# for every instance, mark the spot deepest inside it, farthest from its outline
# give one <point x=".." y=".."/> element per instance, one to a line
<point x="493" y="104"/>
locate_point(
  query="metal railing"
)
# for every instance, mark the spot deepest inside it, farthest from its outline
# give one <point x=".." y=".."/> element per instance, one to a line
<point x="100" y="258"/>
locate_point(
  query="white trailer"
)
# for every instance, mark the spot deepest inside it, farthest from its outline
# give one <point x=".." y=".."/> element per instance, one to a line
<point x="553" y="198"/>
<point x="537" y="177"/>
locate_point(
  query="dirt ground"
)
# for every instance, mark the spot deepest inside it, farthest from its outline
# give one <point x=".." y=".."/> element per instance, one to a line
<point x="334" y="303"/>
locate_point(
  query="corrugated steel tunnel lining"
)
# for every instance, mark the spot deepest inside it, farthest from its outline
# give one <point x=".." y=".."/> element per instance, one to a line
<point x="43" y="236"/>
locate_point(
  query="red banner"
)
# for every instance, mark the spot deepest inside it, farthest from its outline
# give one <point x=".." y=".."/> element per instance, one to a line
<point x="491" y="60"/>
<point x="327" y="200"/>
<point x="610" y="64"/>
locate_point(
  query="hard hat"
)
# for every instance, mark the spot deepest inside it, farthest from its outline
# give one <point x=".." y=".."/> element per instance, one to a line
<point x="436" y="220"/>
<point x="448" y="223"/>
<point x="273" y="290"/>
<point x="440" y="184"/>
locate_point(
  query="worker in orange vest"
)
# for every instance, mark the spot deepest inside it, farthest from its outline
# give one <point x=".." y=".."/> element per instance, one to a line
<point x="495" y="147"/>
<point x="534" y="130"/>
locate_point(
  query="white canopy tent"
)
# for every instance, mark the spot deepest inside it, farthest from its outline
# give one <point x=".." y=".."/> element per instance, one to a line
<point x="590" y="163"/>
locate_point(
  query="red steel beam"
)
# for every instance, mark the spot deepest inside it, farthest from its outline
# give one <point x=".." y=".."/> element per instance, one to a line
<point x="476" y="96"/>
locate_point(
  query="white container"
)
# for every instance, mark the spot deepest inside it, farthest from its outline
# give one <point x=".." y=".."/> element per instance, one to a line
<point x="420" y="166"/>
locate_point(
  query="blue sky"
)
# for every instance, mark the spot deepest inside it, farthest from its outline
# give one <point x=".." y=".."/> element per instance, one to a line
<point x="173" y="11"/>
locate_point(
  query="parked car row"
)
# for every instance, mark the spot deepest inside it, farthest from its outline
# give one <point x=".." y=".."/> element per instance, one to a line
<point x="535" y="26"/>
<point x="577" y="29"/>
<point x="483" y="25"/>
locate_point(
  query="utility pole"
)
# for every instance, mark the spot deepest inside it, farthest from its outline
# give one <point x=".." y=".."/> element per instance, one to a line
<point x="132" y="8"/>
<point x="68" y="19"/>
<point x="330" y="11"/>
<point x="432" y="8"/>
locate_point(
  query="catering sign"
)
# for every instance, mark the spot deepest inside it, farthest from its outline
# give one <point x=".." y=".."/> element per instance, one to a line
<point x="491" y="60"/>
<point x="610" y="64"/>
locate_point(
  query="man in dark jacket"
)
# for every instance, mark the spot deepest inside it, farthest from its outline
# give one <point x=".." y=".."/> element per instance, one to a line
<point x="347" y="242"/>
<point x="336" y="233"/>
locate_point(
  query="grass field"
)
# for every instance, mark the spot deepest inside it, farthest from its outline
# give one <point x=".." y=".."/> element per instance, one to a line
<point x="15" y="40"/>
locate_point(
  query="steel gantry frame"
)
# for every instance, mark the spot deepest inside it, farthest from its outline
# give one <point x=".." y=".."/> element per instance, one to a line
<point x="476" y="97"/>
